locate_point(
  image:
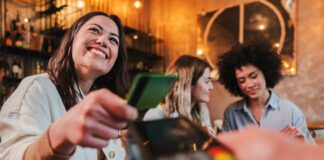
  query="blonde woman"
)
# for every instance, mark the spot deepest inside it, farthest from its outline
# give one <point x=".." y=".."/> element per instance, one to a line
<point x="189" y="95"/>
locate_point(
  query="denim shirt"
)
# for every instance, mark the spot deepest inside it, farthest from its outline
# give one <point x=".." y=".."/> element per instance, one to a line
<point x="277" y="114"/>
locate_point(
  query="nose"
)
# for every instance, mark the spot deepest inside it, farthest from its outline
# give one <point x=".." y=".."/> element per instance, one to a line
<point x="102" y="40"/>
<point x="250" y="84"/>
<point x="211" y="86"/>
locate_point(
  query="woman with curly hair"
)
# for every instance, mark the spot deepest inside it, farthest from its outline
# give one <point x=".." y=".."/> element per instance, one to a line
<point x="250" y="71"/>
<point x="190" y="93"/>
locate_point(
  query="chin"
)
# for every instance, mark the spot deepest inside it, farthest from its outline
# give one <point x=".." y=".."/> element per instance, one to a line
<point x="255" y="96"/>
<point x="204" y="101"/>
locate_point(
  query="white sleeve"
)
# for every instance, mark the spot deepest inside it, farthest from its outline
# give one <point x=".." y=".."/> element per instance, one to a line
<point x="154" y="114"/>
<point x="204" y="113"/>
<point x="24" y="118"/>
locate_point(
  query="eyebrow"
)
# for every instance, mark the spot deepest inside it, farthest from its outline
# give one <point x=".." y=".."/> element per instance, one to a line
<point x="97" y="25"/>
<point x="254" y="72"/>
<point x="113" y="34"/>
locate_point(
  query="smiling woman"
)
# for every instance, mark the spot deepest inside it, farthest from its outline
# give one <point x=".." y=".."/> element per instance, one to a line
<point x="95" y="50"/>
<point x="190" y="93"/>
<point x="250" y="71"/>
<point x="78" y="103"/>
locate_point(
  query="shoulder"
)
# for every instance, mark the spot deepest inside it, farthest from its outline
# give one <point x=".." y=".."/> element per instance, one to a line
<point x="203" y="109"/>
<point x="285" y="104"/>
<point x="41" y="81"/>
<point x="204" y="114"/>
<point x="233" y="107"/>
<point x="154" y="113"/>
<point x="33" y="86"/>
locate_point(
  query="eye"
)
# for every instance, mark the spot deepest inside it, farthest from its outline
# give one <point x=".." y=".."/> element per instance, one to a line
<point x="254" y="75"/>
<point x="114" y="40"/>
<point x="241" y="81"/>
<point x="94" y="30"/>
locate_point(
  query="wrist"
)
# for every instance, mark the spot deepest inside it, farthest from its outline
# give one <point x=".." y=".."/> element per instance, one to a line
<point x="58" y="142"/>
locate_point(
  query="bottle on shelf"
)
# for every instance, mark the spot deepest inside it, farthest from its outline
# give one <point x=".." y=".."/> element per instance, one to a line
<point x="8" y="39"/>
<point x="16" y="69"/>
<point x="39" y="67"/>
<point x="16" y="31"/>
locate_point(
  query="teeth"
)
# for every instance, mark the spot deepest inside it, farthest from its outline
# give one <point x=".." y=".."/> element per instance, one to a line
<point x="98" y="52"/>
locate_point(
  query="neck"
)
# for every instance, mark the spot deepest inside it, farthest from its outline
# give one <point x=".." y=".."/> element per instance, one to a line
<point x="261" y="101"/>
<point x="85" y="85"/>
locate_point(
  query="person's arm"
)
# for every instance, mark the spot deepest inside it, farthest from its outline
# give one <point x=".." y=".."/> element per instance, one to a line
<point x="26" y="115"/>
<point x="253" y="143"/>
<point x="293" y="132"/>
<point x="42" y="149"/>
<point x="91" y="123"/>
<point x="300" y="123"/>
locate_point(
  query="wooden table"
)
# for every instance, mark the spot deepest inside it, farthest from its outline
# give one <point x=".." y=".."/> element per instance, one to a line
<point x="315" y="125"/>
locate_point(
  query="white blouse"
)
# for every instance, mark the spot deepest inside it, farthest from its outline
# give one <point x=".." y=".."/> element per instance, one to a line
<point x="28" y="113"/>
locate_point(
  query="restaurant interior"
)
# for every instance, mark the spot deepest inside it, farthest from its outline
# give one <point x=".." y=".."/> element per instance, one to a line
<point x="159" y="31"/>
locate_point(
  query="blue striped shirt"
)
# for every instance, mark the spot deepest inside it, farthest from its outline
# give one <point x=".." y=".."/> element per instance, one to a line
<point x="278" y="113"/>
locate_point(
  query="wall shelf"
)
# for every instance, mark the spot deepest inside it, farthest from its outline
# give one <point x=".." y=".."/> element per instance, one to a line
<point x="25" y="52"/>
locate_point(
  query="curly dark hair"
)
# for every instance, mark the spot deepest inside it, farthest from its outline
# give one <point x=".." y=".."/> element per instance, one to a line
<point x="259" y="54"/>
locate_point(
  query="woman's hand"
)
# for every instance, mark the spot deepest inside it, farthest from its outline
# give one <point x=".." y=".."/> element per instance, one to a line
<point x="292" y="132"/>
<point x="91" y="123"/>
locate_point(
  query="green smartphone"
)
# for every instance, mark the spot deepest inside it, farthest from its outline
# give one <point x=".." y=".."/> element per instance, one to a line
<point x="149" y="89"/>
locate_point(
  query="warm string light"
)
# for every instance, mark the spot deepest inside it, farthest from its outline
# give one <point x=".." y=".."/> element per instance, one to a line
<point x="137" y="4"/>
<point x="277" y="45"/>
<point x="135" y="37"/>
<point x="26" y="20"/>
<point x="261" y="27"/>
<point x="200" y="52"/>
<point x="80" y="4"/>
<point x="288" y="69"/>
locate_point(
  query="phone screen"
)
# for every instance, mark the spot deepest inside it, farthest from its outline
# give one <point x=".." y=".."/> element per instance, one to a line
<point x="148" y="90"/>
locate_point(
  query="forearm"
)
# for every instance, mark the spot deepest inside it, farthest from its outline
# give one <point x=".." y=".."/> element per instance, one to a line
<point x="41" y="150"/>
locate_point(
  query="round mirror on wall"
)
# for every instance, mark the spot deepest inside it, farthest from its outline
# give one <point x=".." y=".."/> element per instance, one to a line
<point x="273" y="20"/>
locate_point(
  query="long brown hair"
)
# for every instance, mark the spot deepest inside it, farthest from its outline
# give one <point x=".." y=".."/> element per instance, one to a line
<point x="189" y="70"/>
<point x="61" y="67"/>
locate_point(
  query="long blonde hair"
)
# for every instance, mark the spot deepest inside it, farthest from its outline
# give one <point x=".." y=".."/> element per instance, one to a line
<point x="189" y="70"/>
